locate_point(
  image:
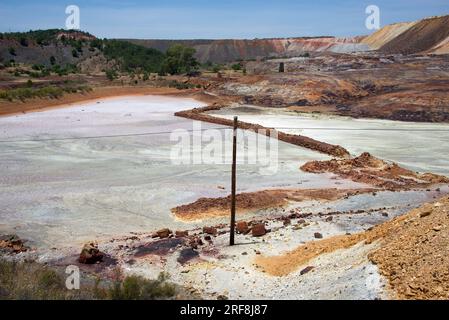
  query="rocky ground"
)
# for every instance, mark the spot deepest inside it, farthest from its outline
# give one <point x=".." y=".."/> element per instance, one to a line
<point x="299" y="248"/>
<point x="368" y="169"/>
<point x="370" y="85"/>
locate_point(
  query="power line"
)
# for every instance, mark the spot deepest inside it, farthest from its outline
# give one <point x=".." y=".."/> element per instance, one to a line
<point x="104" y="136"/>
<point x="222" y="128"/>
<point x="362" y="129"/>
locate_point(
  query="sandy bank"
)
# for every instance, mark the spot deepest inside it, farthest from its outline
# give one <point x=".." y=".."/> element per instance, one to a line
<point x="33" y="105"/>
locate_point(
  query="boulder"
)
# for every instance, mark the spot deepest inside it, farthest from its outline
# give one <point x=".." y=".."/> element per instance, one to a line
<point x="164" y="233"/>
<point x="259" y="230"/>
<point x="90" y="254"/>
<point x="318" y="235"/>
<point x="195" y="242"/>
<point x="12" y="244"/>
<point x="210" y="230"/>
<point x="425" y="213"/>
<point x="242" y="227"/>
<point x="181" y="234"/>
<point x="307" y="270"/>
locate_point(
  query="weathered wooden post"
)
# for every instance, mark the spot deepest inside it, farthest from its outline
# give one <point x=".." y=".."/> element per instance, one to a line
<point x="234" y="177"/>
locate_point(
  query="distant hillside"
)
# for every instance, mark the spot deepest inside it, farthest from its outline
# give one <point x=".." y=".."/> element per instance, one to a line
<point x="46" y="47"/>
<point x="57" y="48"/>
<point x="429" y="35"/>
<point x="220" y="51"/>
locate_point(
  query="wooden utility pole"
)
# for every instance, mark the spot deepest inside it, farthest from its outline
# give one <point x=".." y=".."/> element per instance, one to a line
<point x="234" y="177"/>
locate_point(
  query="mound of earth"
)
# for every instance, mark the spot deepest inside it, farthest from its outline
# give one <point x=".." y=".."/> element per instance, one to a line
<point x="378" y="173"/>
<point x="220" y="207"/>
<point x="381" y="37"/>
<point x="422" y="36"/>
<point x="442" y="47"/>
<point x="415" y="257"/>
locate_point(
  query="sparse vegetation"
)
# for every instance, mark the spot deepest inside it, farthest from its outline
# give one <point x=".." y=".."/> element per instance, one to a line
<point x="236" y="67"/>
<point x="43" y="37"/>
<point x="138" y="288"/>
<point x="180" y="85"/>
<point x="32" y="281"/>
<point x="52" y="92"/>
<point x="111" y="75"/>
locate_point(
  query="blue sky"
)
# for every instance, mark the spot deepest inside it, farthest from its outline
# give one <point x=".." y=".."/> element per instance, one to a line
<point x="186" y="19"/>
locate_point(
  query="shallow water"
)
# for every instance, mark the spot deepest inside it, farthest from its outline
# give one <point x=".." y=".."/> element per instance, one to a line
<point x="64" y="192"/>
<point x="421" y="147"/>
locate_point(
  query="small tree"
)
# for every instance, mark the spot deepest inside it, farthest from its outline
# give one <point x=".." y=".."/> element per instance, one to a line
<point x="12" y="51"/>
<point x="111" y="74"/>
<point x="236" y="67"/>
<point x="180" y="59"/>
<point x="52" y="60"/>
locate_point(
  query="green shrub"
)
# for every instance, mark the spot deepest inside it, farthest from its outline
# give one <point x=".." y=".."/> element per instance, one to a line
<point x="236" y="67"/>
<point x="111" y="75"/>
<point x="29" y="280"/>
<point x="138" y="288"/>
<point x="180" y="85"/>
<point x="216" y="68"/>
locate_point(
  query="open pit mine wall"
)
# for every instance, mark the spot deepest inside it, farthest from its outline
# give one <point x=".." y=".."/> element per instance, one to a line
<point x="430" y="35"/>
<point x="220" y="51"/>
<point x="295" y="139"/>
